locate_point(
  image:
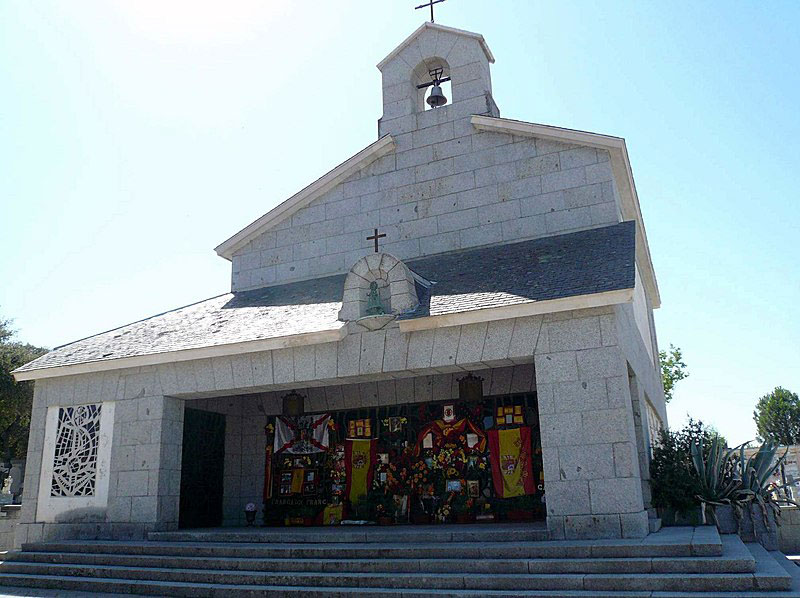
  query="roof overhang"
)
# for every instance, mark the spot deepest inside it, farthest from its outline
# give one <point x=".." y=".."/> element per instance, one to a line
<point x="362" y="159"/>
<point x="520" y="310"/>
<point x="281" y="342"/>
<point x="436" y="26"/>
<point x="505" y="312"/>
<point x="620" y="166"/>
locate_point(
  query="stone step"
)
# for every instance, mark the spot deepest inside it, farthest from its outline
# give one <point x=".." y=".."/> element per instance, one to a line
<point x="775" y="579"/>
<point x="523" y="532"/>
<point x="467" y="550"/>
<point x="727" y="564"/>
<point x="82" y="586"/>
<point x="670" y="542"/>
<point x="670" y="564"/>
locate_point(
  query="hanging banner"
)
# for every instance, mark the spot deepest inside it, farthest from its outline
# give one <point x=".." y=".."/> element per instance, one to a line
<point x="359" y="457"/>
<point x="301" y="435"/>
<point x="440" y="430"/>
<point x="512" y="470"/>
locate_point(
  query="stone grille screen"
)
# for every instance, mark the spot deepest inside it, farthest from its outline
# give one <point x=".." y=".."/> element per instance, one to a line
<point x="75" y="460"/>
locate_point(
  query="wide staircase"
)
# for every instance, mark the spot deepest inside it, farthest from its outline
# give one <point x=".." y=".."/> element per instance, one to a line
<point x="406" y="562"/>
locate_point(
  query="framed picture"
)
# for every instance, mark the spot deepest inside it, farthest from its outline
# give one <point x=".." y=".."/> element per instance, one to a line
<point x="395" y="424"/>
<point x="383" y="458"/>
<point x="473" y="488"/>
<point x="453" y="486"/>
<point x="472" y="439"/>
<point x="427" y="441"/>
<point x="309" y="482"/>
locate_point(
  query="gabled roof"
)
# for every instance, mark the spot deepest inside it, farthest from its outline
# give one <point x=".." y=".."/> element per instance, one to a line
<point x="571" y="271"/>
<point x="620" y="166"/>
<point x="322" y="185"/>
<point x="437" y="27"/>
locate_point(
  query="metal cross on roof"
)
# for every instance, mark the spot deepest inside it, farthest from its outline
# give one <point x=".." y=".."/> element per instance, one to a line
<point x="375" y="238"/>
<point x="430" y="3"/>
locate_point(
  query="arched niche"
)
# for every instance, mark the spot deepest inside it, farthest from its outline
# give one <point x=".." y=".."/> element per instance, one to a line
<point x="420" y="75"/>
<point x="395" y="286"/>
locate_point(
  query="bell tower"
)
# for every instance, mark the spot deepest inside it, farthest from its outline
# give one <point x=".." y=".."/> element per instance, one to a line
<point x="435" y="53"/>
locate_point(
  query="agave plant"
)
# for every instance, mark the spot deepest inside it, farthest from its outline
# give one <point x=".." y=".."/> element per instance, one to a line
<point x="755" y="473"/>
<point x="717" y="486"/>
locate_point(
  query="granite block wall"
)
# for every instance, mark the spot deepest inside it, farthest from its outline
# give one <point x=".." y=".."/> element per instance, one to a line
<point x="144" y="483"/>
<point x="592" y="475"/>
<point x="498" y="189"/>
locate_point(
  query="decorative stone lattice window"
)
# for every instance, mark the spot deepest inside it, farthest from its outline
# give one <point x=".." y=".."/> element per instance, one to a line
<point x="395" y="282"/>
<point x="75" y="458"/>
<point x="76" y="462"/>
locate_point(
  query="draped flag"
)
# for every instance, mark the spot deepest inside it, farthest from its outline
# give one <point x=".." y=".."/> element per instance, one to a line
<point x="441" y="430"/>
<point x="512" y="471"/>
<point x="359" y="457"/>
<point x="301" y="435"/>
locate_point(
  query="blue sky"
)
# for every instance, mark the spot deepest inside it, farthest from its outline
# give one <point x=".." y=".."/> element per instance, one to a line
<point x="136" y="136"/>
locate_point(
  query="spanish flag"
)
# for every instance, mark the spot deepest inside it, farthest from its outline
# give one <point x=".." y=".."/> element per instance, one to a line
<point x="359" y="457"/>
<point x="510" y="452"/>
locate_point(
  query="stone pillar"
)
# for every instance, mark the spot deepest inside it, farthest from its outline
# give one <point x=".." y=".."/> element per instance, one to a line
<point x="592" y="481"/>
<point x="146" y="464"/>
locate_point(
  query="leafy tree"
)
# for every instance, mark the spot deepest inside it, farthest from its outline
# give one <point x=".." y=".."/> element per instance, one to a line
<point x="777" y="417"/>
<point x="673" y="370"/>
<point x="16" y="398"/>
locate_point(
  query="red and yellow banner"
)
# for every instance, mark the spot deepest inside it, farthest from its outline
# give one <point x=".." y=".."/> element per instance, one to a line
<point x="441" y="430"/>
<point x="512" y="471"/>
<point x="359" y="457"/>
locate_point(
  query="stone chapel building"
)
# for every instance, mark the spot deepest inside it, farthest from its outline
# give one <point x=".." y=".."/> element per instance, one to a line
<point x="463" y="269"/>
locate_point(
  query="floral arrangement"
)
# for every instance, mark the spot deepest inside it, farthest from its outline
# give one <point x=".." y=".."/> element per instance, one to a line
<point x="443" y="513"/>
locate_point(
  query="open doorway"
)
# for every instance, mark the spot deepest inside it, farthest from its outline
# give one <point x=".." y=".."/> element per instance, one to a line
<point x="202" y="469"/>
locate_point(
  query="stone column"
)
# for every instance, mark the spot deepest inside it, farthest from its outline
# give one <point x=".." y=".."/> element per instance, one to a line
<point x="592" y="480"/>
<point x="146" y="464"/>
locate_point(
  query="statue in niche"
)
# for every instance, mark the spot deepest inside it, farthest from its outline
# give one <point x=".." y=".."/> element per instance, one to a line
<point x="374" y="304"/>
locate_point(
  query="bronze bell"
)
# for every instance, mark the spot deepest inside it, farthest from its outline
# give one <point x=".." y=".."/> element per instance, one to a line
<point x="436" y="98"/>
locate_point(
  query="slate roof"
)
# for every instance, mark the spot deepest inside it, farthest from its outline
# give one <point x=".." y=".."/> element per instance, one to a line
<point x="581" y="263"/>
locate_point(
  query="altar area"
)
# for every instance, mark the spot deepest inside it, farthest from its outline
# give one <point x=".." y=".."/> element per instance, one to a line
<point x="435" y="462"/>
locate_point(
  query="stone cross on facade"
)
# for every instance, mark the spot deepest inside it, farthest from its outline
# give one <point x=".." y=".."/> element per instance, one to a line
<point x="430" y="3"/>
<point x="375" y="236"/>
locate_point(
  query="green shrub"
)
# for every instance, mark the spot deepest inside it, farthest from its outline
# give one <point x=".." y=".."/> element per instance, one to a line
<point x="674" y="480"/>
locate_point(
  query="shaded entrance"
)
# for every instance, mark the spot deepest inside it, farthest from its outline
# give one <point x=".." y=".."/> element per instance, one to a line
<point x="202" y="469"/>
